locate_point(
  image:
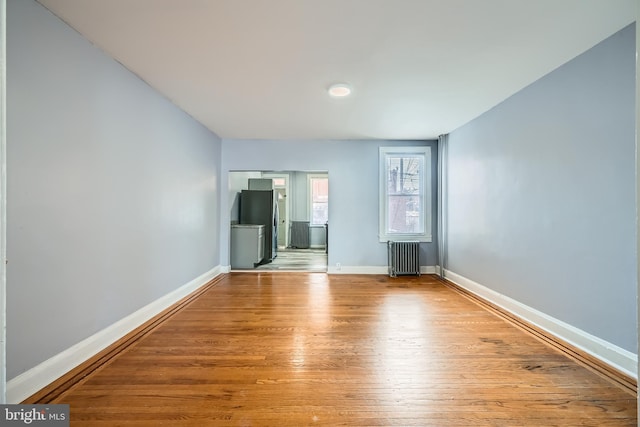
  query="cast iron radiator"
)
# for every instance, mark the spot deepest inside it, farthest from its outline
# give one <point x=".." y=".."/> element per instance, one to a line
<point x="300" y="234"/>
<point x="404" y="258"/>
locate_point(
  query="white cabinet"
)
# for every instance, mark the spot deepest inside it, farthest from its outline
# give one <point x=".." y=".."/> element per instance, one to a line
<point x="247" y="245"/>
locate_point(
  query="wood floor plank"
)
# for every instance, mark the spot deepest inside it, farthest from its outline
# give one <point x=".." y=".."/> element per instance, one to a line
<point x="295" y="349"/>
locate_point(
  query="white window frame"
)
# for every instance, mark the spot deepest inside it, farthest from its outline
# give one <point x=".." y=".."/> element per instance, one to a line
<point x="310" y="178"/>
<point x="384" y="153"/>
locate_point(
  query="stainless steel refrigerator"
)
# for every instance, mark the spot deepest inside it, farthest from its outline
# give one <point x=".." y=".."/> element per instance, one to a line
<point x="260" y="207"/>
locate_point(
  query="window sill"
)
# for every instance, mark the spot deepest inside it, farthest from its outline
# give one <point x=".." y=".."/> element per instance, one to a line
<point x="402" y="237"/>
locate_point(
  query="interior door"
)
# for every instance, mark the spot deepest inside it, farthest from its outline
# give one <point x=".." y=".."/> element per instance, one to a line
<point x="283" y="226"/>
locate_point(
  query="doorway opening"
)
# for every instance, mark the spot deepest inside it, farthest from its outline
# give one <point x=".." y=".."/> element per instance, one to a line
<point x="301" y="221"/>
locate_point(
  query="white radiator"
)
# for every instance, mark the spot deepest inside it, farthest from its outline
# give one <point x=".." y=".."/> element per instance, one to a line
<point x="404" y="258"/>
<point x="300" y="234"/>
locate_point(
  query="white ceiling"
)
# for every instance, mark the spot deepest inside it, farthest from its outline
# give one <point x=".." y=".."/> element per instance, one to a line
<point x="419" y="68"/>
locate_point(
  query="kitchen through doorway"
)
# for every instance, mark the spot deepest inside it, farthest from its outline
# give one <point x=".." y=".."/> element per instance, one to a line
<point x="302" y="199"/>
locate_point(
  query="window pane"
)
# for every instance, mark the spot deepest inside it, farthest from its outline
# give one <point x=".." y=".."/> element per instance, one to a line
<point x="404" y="174"/>
<point x="320" y="213"/>
<point x="404" y="214"/>
<point x="319" y="200"/>
<point x="320" y="189"/>
<point x="404" y="194"/>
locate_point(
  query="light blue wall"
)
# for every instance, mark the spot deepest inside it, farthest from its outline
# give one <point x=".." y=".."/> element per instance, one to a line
<point x="353" y="191"/>
<point x="112" y="190"/>
<point x="542" y="194"/>
<point x="237" y="182"/>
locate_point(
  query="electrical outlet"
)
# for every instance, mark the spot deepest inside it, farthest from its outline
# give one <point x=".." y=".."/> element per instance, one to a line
<point x="338" y="266"/>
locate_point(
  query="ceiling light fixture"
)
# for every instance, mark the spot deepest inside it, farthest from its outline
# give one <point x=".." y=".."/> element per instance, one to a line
<point x="339" y="90"/>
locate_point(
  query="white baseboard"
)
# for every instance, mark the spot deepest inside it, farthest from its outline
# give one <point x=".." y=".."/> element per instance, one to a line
<point x="429" y="269"/>
<point x="357" y="270"/>
<point x="608" y="353"/>
<point x="29" y="382"/>
<point x="374" y="269"/>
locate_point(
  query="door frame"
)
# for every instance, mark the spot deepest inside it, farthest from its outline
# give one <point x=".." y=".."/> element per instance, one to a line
<point x="287" y="203"/>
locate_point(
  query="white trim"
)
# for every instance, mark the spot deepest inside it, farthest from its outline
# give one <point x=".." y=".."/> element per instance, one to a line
<point x="357" y="270"/>
<point x="287" y="203"/>
<point x="29" y="382"/>
<point x="610" y="354"/>
<point x="374" y="269"/>
<point x="429" y="269"/>
<point x="366" y="269"/>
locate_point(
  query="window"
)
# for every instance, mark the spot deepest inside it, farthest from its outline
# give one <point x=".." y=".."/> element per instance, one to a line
<point x="319" y="192"/>
<point x="405" y="193"/>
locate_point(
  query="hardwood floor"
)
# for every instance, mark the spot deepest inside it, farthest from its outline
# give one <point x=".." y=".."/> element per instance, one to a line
<point x="297" y="349"/>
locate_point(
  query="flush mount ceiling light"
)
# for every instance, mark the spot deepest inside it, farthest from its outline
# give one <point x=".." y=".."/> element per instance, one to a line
<point x="339" y="90"/>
